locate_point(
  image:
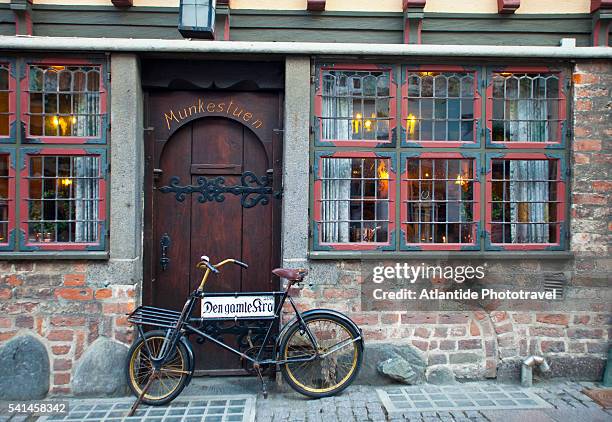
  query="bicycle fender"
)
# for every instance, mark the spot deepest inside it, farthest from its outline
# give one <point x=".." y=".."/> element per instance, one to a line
<point x="185" y="341"/>
<point x="320" y="312"/>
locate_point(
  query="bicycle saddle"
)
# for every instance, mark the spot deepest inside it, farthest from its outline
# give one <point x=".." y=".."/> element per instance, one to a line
<point x="291" y="274"/>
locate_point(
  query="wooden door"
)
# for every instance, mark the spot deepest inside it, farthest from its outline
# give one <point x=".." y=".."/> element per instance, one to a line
<point x="190" y="225"/>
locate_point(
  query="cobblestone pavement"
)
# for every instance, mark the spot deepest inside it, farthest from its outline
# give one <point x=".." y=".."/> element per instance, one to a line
<point x="362" y="404"/>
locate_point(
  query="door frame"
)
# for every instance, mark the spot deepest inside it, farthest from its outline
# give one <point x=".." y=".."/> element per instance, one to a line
<point x="149" y="246"/>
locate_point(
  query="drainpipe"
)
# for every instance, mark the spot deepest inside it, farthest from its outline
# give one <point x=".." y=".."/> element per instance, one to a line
<point x="527" y="369"/>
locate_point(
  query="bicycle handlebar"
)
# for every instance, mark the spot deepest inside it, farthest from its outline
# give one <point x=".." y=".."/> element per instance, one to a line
<point x="205" y="261"/>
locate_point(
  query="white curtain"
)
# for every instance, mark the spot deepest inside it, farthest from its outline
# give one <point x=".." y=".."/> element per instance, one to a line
<point x="336" y="171"/>
<point x="529" y="190"/>
<point x="86" y="109"/>
<point x="86" y="199"/>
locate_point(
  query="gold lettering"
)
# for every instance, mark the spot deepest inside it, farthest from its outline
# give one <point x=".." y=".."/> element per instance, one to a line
<point x="169" y="118"/>
<point x="200" y="106"/>
<point x="239" y="112"/>
<point x="229" y="106"/>
<point x="220" y="107"/>
<point x="257" y="124"/>
<point x="181" y="116"/>
<point x="210" y="107"/>
<point x="247" y="116"/>
<point x="193" y="109"/>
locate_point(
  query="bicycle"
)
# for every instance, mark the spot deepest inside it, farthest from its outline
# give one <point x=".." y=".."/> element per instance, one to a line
<point x="319" y="351"/>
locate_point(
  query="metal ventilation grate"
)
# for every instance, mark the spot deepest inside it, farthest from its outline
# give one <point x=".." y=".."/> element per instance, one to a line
<point x="555" y="282"/>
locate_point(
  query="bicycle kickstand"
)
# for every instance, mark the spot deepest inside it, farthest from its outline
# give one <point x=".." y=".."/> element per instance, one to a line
<point x="142" y="394"/>
<point x="264" y="389"/>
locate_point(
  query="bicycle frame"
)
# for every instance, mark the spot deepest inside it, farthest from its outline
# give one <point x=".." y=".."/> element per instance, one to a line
<point x="187" y="325"/>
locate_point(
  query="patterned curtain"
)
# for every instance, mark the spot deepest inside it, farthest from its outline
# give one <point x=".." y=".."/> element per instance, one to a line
<point x="86" y="199"/>
<point x="529" y="191"/>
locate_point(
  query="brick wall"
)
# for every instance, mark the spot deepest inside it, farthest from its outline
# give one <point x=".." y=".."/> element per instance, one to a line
<point x="66" y="307"/>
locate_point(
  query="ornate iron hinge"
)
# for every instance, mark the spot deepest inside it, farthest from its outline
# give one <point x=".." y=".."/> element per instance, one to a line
<point x="253" y="189"/>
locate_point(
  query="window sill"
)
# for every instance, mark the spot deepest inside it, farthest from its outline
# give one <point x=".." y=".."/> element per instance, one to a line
<point x="446" y="255"/>
<point x="55" y="255"/>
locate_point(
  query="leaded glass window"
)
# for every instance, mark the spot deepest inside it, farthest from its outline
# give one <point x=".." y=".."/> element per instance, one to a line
<point x="526" y="107"/>
<point x="355" y="105"/>
<point x="63" y="199"/>
<point x="64" y="101"/>
<point x="354" y="202"/>
<point x="525" y="201"/>
<point x="440" y="107"/>
<point x="439" y="201"/>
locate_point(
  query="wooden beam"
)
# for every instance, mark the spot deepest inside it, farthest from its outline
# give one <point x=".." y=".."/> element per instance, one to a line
<point x="23" y="18"/>
<point x="508" y="6"/>
<point x="420" y="4"/>
<point x="600" y="4"/>
<point x="122" y="3"/>
<point x="315" y="5"/>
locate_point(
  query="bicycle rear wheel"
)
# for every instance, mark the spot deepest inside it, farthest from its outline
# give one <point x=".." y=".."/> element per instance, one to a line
<point x="173" y="374"/>
<point x="335" y="370"/>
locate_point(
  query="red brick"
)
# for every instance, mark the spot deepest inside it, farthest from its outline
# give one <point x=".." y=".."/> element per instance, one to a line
<point x="24" y="321"/>
<point x="121" y="321"/>
<point x="124" y="336"/>
<point x="373" y="334"/>
<point x="469" y="344"/>
<point x="423" y="345"/>
<point x="474" y="329"/>
<point x="589" y="199"/>
<point x="420" y="318"/>
<point x="60" y="335"/>
<point x="522" y="318"/>
<point x="389" y="318"/>
<point x="583" y="105"/>
<point x="422" y="332"/>
<point x="499" y="316"/>
<point x="457" y="331"/>
<point x="68" y="321"/>
<point x="582" y="158"/>
<point x="80" y="343"/>
<point x="73" y="280"/>
<point x="61" y="379"/>
<point x="5" y="294"/>
<point x="454" y="318"/>
<point x="13" y="280"/>
<point x="60" y="390"/>
<point x="74" y="293"/>
<point x="93" y="332"/>
<point x="7" y="335"/>
<point x="60" y="350"/>
<point x="556" y="319"/>
<point x="365" y="318"/>
<point x="480" y="315"/>
<point x="585" y="333"/>
<point x="506" y="328"/>
<point x="602" y="186"/>
<point x="117" y="308"/>
<point x="441" y="332"/>
<point x="62" y="364"/>
<point x="585" y="78"/>
<point x="552" y="346"/>
<point x="103" y="293"/>
<point x="340" y="293"/>
<point x="6" y="322"/>
<point x="587" y="145"/>
<point x="546" y="331"/>
<point x="581" y="319"/>
<point x="575" y="347"/>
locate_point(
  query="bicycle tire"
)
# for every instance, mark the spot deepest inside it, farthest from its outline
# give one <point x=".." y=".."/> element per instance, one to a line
<point x="133" y="355"/>
<point x="290" y="373"/>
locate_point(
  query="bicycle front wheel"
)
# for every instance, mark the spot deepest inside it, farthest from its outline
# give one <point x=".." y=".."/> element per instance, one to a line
<point x="172" y="376"/>
<point x="339" y="360"/>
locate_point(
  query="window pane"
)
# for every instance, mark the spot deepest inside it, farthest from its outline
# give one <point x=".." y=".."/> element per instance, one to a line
<point x="355" y="105"/>
<point x="4" y="100"/>
<point x="64" y="101"/>
<point x="439" y="206"/>
<point x="523" y="207"/>
<point x="448" y="117"/>
<point x="525" y="107"/>
<point x="63" y="199"/>
<point x="354" y="200"/>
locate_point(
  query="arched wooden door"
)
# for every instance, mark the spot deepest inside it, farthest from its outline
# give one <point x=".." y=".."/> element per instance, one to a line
<point x="184" y="227"/>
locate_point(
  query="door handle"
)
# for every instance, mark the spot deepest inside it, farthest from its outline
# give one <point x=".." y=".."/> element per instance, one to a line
<point x="164" y="242"/>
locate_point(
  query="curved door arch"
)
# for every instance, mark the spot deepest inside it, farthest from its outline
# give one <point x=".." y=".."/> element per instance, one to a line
<point x="211" y="147"/>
